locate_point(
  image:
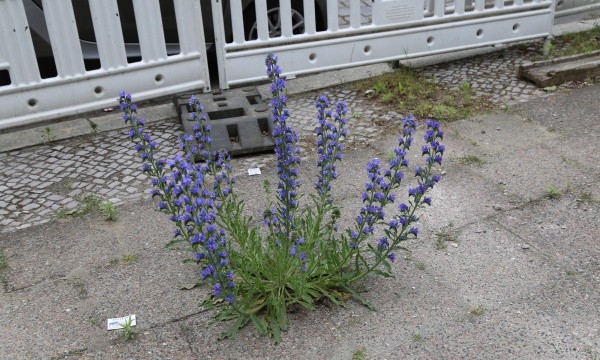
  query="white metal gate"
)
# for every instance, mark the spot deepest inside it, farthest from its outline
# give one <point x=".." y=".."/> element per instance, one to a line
<point x="26" y="97"/>
<point x="376" y="31"/>
<point x="307" y="35"/>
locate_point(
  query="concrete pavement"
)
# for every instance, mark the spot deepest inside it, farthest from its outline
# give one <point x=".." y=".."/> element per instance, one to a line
<point x="520" y="280"/>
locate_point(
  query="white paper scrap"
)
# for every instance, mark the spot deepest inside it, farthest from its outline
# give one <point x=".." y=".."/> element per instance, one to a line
<point x="254" y="171"/>
<point x="117" y="323"/>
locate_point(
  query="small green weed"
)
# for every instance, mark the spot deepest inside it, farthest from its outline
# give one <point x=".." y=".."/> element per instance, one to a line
<point x="79" y="287"/>
<point x="128" y="259"/>
<point x="444" y="235"/>
<point x="360" y="354"/>
<point x="470" y="160"/>
<point x="586" y="197"/>
<point x="357" y="116"/>
<point x="109" y="210"/>
<point x="466" y="91"/>
<point x="572" y="272"/>
<point x="417" y="337"/>
<point x="552" y="192"/>
<point x="47" y="134"/>
<point x="478" y="311"/>
<point x="421" y="266"/>
<point x="3" y="262"/>
<point x="127" y="331"/>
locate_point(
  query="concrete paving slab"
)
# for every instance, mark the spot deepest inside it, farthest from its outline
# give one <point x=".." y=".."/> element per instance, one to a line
<point x="492" y="259"/>
<point x="565" y="230"/>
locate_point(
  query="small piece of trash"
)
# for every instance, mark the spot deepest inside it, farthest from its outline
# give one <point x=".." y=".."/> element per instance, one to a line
<point x="549" y="88"/>
<point x="524" y="246"/>
<point x="117" y="323"/>
<point x="189" y="286"/>
<point x="254" y="171"/>
<point x="108" y="109"/>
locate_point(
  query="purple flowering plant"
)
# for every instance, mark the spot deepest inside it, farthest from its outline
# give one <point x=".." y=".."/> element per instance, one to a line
<point x="298" y="257"/>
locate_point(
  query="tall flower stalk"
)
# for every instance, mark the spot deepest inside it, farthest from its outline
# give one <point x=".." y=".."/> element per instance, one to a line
<point x="298" y="257"/>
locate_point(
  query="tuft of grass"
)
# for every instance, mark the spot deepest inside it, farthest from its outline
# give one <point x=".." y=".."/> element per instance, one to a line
<point x="359" y="354"/>
<point x="47" y="135"/>
<point x="470" y="160"/>
<point x="93" y="321"/>
<point x="552" y="192"/>
<point x="578" y="43"/>
<point x="127" y="331"/>
<point x="444" y="235"/>
<point x="128" y="259"/>
<point x="478" y="311"/>
<point x="413" y="93"/>
<point x="109" y="210"/>
<point x="417" y="337"/>
<point x="586" y="197"/>
<point x="3" y="262"/>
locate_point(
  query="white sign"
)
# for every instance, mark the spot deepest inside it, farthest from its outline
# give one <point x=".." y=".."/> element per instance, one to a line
<point x="117" y="323"/>
<point x="387" y="12"/>
<point x="254" y="171"/>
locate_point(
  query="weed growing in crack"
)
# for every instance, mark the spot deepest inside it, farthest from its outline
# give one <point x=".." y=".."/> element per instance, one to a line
<point x="299" y="256"/>
<point x="127" y="331"/>
<point x="470" y="160"/>
<point x="360" y="354"/>
<point x="416" y="337"/>
<point x="47" y="135"/>
<point x="3" y="261"/>
<point x="109" y="210"/>
<point x="444" y="235"/>
<point x="478" y="311"/>
<point x="552" y="192"/>
<point x="128" y="259"/>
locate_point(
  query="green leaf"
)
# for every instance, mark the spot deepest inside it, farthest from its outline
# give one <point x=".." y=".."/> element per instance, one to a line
<point x="281" y="316"/>
<point x="172" y="243"/>
<point x="260" y="324"/>
<point x="383" y="273"/>
<point x="360" y="299"/>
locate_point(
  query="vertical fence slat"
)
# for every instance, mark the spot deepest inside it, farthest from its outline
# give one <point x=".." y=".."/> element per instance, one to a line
<point x="518" y="2"/>
<point x="479" y="5"/>
<point x="428" y="7"/>
<point x="237" y="20"/>
<point x="439" y="8"/>
<point x="310" y="20"/>
<point x="459" y="7"/>
<point x="15" y="39"/>
<point x="150" y="29"/>
<point x="499" y="4"/>
<point x="355" y="14"/>
<point x="262" y="24"/>
<point x="64" y="38"/>
<point x="333" y="23"/>
<point x="285" y="17"/>
<point x="109" y="35"/>
<point x="189" y="26"/>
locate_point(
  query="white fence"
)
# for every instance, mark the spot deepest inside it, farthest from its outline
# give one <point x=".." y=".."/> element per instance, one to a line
<point x="26" y="97"/>
<point x="568" y="7"/>
<point x="307" y="35"/>
<point x="387" y="30"/>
